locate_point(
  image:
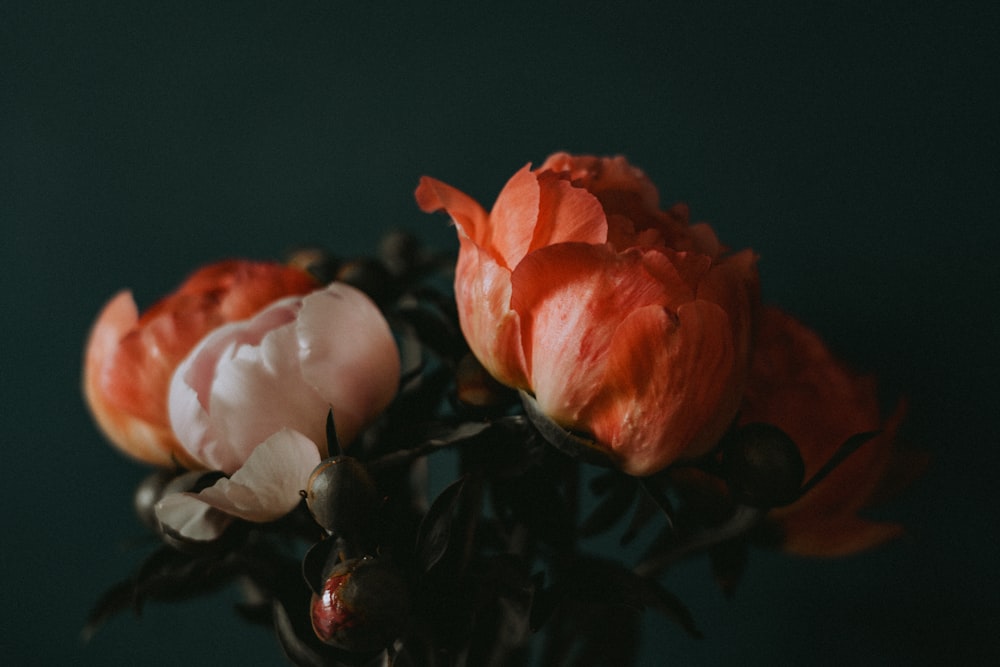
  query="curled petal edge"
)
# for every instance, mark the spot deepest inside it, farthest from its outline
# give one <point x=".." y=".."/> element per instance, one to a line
<point x="265" y="489"/>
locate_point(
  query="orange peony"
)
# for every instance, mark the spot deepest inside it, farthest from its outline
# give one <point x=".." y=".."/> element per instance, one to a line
<point x="797" y="385"/>
<point x="623" y="320"/>
<point x="129" y="360"/>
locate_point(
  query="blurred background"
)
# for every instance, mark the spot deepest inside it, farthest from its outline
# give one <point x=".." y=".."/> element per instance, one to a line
<point x="852" y="145"/>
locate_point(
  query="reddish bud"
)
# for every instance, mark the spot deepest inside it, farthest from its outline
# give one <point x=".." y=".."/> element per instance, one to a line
<point x="361" y="606"/>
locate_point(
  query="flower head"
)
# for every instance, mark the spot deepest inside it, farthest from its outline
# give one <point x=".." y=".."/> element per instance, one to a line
<point x="797" y="385"/>
<point x="623" y="320"/>
<point x="129" y="359"/>
<point x="252" y="399"/>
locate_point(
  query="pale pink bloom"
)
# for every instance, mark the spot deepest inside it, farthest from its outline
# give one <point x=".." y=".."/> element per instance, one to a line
<point x="272" y="379"/>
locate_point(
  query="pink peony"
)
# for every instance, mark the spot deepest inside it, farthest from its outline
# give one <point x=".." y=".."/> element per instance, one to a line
<point x="252" y="398"/>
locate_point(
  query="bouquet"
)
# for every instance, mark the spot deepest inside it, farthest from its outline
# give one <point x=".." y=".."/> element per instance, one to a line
<point x="593" y="362"/>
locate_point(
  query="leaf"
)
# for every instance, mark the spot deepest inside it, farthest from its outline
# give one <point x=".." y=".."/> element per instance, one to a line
<point x="500" y="625"/>
<point x="729" y="562"/>
<point x="172" y="575"/>
<point x="571" y="444"/>
<point x="543" y="603"/>
<point x="411" y="353"/>
<point x="165" y="575"/>
<point x="314" y="564"/>
<point x="434" y="534"/>
<point x="610" y="510"/>
<point x="332" y="441"/>
<point x="660" y="499"/>
<point x="115" y="600"/>
<point x="296" y="649"/>
<point x="596" y="580"/>
<point x="645" y="510"/>
<point x="849" y="446"/>
<point x="534" y="500"/>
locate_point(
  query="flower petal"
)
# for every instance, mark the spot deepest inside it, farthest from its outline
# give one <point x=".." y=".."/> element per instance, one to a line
<point x="265" y="489"/>
<point x="130" y="359"/>
<point x="844" y="535"/>
<point x="258" y="391"/>
<point x="490" y="325"/>
<point x="222" y="440"/>
<point x="115" y="390"/>
<point x="348" y="355"/>
<point x="665" y="378"/>
<point x="538" y="209"/>
<point x="799" y="386"/>
<point x="470" y="218"/>
<point x="567" y="214"/>
<point x="190" y="518"/>
<point x="513" y="218"/>
<point x="571" y="298"/>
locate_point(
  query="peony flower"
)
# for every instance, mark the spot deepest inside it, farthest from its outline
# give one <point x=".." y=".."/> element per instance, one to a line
<point x="797" y="385"/>
<point x="252" y="400"/>
<point x="129" y="359"/>
<point x="622" y="320"/>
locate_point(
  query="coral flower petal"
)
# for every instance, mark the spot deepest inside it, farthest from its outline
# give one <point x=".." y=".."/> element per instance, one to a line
<point x="798" y="385"/>
<point x="512" y="221"/>
<point x="145" y="440"/>
<point x="567" y="214"/>
<point x="492" y="327"/>
<point x="130" y="359"/>
<point x="665" y="378"/>
<point x="571" y="297"/>
<point x="470" y="218"/>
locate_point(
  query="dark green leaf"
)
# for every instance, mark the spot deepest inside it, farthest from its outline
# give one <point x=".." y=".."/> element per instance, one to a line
<point x="434" y="534"/>
<point x="659" y="498"/>
<point x="332" y="441"/>
<point x="571" y="444"/>
<point x="610" y="509"/>
<point x="645" y="510"/>
<point x="314" y="564"/>
<point x="115" y="600"/>
<point x="729" y="561"/>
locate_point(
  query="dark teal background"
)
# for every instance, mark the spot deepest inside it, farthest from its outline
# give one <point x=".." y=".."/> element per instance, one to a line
<point x="852" y="145"/>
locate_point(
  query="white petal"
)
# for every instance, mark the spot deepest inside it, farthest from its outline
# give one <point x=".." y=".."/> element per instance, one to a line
<point x="186" y="515"/>
<point x="348" y="355"/>
<point x="267" y="487"/>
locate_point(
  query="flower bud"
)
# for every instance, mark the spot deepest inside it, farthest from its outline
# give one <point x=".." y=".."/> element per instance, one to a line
<point x="476" y="387"/>
<point x="399" y="251"/>
<point x="367" y="275"/>
<point x="362" y="605"/>
<point x="341" y="495"/>
<point x="316" y="261"/>
<point x="148" y="493"/>
<point x="763" y="466"/>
